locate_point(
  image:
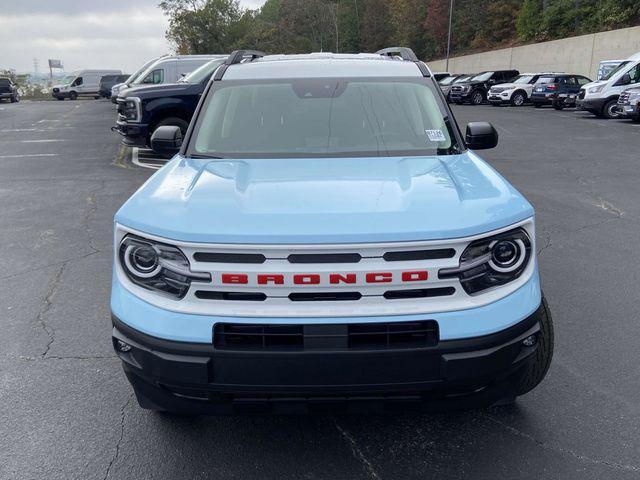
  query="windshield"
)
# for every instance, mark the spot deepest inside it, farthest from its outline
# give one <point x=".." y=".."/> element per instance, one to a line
<point x="203" y="72"/>
<point x="615" y="70"/>
<point x="138" y="73"/>
<point x="482" y="77"/>
<point x="68" y="79"/>
<point x="464" y="78"/>
<point x="523" y="79"/>
<point x="296" y="118"/>
<point x="447" y="81"/>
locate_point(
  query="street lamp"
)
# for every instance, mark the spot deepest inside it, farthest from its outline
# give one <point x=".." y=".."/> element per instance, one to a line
<point x="449" y="35"/>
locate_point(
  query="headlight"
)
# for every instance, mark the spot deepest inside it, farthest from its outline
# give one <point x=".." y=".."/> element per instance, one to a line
<point x="466" y="88"/>
<point x="492" y="261"/>
<point x="596" y="89"/>
<point x="157" y="266"/>
<point x="633" y="96"/>
<point x="131" y="109"/>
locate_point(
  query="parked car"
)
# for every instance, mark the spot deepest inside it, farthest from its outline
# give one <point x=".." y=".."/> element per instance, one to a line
<point x="629" y="104"/>
<point x="297" y="255"/>
<point x="170" y="69"/>
<point x="475" y="89"/>
<point x="559" y="90"/>
<point x="437" y="76"/>
<point x="108" y="81"/>
<point x="516" y="93"/>
<point x="447" y="83"/>
<point x="142" y="109"/>
<point x="115" y="90"/>
<point x="8" y="90"/>
<point x="605" y="67"/>
<point x="601" y="98"/>
<point x="82" y="83"/>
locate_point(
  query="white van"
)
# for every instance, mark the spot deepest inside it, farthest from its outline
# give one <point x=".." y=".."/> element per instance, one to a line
<point x="170" y="69"/>
<point x="601" y="97"/>
<point x="132" y="78"/>
<point x="81" y="83"/>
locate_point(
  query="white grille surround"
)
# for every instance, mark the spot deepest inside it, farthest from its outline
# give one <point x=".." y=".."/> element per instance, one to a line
<point x="372" y="302"/>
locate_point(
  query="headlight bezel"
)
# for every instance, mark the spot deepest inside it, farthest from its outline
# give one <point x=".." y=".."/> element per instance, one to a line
<point x="132" y="109"/>
<point x="595" y="89"/>
<point x="477" y="270"/>
<point x="170" y="276"/>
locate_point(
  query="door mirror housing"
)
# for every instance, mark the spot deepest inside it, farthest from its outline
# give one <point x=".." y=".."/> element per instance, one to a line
<point x="481" y="136"/>
<point x="166" y="140"/>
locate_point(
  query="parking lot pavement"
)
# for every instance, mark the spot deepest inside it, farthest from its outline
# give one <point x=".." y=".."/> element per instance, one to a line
<point x="67" y="410"/>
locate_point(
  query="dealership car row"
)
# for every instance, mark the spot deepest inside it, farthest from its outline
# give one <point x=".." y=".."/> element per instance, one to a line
<point x="616" y="94"/>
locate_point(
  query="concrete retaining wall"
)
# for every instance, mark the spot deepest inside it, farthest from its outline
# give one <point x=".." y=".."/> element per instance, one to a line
<point x="572" y="55"/>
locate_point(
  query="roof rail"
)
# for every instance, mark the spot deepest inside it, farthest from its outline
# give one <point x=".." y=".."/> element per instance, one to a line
<point x="407" y="55"/>
<point x="237" y="56"/>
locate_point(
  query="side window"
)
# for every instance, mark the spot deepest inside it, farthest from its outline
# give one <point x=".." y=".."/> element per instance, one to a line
<point x="77" y="82"/>
<point x="634" y="73"/>
<point x="155" y="77"/>
<point x="583" y="80"/>
<point x="572" y="81"/>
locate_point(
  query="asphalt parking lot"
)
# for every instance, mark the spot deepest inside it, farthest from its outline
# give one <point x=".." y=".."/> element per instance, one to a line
<point x="67" y="411"/>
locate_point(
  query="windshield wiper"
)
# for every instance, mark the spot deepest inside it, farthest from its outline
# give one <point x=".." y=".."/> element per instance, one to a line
<point x="201" y="155"/>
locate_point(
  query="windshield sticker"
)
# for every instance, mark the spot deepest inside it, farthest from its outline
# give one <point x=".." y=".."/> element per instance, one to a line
<point x="435" y="135"/>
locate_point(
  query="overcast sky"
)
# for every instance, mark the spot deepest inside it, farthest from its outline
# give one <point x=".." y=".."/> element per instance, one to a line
<point x="120" y="34"/>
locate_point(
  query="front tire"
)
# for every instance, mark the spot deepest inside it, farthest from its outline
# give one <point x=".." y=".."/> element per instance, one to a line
<point x="610" y="109"/>
<point x="477" y="98"/>
<point x="518" y="99"/>
<point x="15" y="98"/>
<point x="73" y="96"/>
<point x="538" y="368"/>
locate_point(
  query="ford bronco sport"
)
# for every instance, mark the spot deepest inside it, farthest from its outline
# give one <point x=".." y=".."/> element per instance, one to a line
<point x="325" y="238"/>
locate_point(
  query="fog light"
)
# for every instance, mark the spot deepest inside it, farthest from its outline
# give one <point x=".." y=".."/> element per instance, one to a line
<point x="530" y="341"/>
<point x="123" y="346"/>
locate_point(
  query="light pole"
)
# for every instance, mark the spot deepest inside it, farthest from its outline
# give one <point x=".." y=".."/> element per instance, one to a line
<point x="449" y="35"/>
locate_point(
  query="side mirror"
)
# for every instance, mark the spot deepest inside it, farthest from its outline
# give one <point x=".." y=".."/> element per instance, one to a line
<point x="481" y="136"/>
<point x="166" y="141"/>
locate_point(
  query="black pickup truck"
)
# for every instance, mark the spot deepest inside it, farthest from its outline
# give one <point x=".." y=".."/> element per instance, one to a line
<point x="8" y="90"/>
<point x="141" y="110"/>
<point x="475" y="89"/>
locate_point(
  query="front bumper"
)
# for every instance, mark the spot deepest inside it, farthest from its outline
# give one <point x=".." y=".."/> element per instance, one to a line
<point x="595" y="105"/>
<point x="459" y="97"/>
<point x="629" y="111"/>
<point x="202" y="379"/>
<point x="133" y="135"/>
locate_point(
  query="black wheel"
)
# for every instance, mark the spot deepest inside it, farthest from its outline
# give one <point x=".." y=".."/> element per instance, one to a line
<point x="477" y="97"/>
<point x="558" y="104"/>
<point x="15" y="98"/>
<point x="518" y="99"/>
<point x="73" y="96"/>
<point x="610" y="109"/>
<point x="537" y="370"/>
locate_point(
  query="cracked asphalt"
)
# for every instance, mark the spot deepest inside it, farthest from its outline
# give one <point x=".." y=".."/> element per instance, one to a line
<point x="67" y="412"/>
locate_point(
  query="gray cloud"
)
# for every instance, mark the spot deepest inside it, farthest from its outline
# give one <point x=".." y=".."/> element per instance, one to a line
<point x="83" y="33"/>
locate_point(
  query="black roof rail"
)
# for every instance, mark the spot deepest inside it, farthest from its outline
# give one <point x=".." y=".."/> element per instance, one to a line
<point x="407" y="55"/>
<point x="237" y="56"/>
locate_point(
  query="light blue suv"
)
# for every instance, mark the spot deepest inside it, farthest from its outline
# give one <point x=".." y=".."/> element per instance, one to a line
<point x="325" y="239"/>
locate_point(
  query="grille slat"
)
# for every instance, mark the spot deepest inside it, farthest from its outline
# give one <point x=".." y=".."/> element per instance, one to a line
<point x="412" y="255"/>
<point x="217" y="257"/>
<point x="357" y="336"/>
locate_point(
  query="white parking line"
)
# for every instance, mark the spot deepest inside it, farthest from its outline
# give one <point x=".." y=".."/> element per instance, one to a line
<point x="136" y="160"/>
<point x="44" y="141"/>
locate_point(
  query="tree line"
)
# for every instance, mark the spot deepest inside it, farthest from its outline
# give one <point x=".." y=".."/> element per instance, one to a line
<point x="297" y="26"/>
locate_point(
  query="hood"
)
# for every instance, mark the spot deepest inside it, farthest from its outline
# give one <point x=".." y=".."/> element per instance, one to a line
<point x="161" y="90"/>
<point x="587" y="86"/>
<point x="336" y="200"/>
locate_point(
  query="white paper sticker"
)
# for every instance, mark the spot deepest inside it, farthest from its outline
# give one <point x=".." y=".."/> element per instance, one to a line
<point x="435" y="135"/>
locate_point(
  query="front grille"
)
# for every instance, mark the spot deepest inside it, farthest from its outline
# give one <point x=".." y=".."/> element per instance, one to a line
<point x="456" y="89"/>
<point x="496" y="90"/>
<point x="356" y="336"/>
<point x="624" y="98"/>
<point x="56" y="90"/>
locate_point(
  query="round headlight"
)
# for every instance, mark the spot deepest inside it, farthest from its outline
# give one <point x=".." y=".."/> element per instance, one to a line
<point x="142" y="260"/>
<point x="507" y="255"/>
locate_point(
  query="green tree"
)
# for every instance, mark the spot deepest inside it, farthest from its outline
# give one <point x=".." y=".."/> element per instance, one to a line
<point x="529" y="21"/>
